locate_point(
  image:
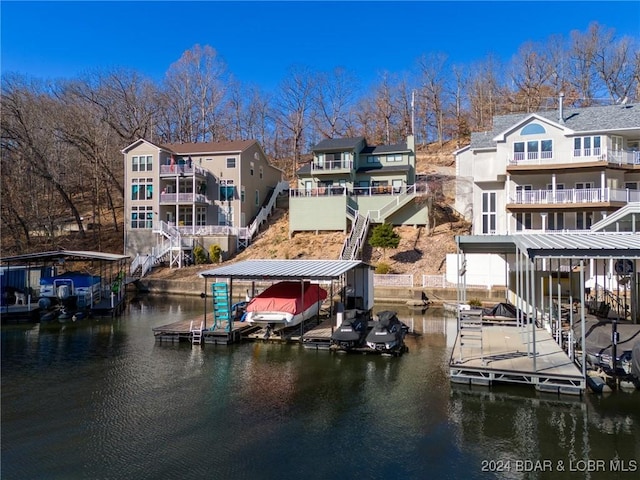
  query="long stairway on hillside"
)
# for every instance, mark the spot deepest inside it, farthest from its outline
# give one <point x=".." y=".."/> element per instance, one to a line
<point x="353" y="243"/>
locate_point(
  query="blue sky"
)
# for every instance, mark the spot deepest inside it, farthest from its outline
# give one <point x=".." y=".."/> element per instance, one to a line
<point x="260" y="40"/>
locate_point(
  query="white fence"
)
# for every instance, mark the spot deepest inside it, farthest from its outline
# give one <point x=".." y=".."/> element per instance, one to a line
<point x="393" y="280"/>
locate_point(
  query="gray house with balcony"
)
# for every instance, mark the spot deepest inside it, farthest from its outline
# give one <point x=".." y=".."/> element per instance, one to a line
<point x="347" y="180"/>
<point x="561" y="170"/>
<point x="178" y="196"/>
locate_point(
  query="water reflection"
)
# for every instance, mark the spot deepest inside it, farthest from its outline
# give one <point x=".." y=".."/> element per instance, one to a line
<point x="118" y="404"/>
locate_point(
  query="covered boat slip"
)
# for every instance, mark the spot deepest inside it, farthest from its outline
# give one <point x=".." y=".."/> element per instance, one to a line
<point x="350" y="280"/>
<point x="97" y="278"/>
<point x="546" y="282"/>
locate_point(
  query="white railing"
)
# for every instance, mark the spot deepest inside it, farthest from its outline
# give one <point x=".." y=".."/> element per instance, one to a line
<point x="184" y="198"/>
<point x="331" y="165"/>
<point x="266" y="210"/>
<point x="355" y="191"/>
<point x="394" y="204"/>
<point x="574" y="195"/>
<point x="597" y="154"/>
<point x="185" y="169"/>
<point x="436" y="281"/>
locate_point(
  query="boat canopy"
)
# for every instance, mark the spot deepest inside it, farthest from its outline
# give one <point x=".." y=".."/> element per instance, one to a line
<point x="287" y="297"/>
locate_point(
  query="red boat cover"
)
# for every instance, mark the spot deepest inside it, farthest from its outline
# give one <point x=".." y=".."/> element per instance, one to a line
<point x="286" y="297"/>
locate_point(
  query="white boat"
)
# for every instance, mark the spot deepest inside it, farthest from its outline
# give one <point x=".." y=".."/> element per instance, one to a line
<point x="285" y="304"/>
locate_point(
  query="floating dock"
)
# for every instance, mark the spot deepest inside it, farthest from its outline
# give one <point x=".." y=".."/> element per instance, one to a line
<point x="501" y="353"/>
<point x="183" y="331"/>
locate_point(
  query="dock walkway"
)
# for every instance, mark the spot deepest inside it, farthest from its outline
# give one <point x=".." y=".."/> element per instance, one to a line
<point x="505" y="355"/>
<point x="180" y="331"/>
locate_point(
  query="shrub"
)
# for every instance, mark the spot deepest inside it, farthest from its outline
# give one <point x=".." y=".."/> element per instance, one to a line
<point x="474" y="302"/>
<point x="215" y="253"/>
<point x="382" y="268"/>
<point x="199" y="255"/>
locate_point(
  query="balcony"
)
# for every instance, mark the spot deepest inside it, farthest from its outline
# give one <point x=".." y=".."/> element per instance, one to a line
<point x="572" y="198"/>
<point x="183" y="198"/>
<point x="332" y="166"/>
<point x="182" y="170"/>
<point x="577" y="158"/>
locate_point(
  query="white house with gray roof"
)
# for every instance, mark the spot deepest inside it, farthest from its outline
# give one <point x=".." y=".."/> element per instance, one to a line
<point x="561" y="170"/>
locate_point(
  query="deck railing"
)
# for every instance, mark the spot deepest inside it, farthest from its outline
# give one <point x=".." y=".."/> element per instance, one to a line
<point x="574" y="195"/>
<point x="595" y="154"/>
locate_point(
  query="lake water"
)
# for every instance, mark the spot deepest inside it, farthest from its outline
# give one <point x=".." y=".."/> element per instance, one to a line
<point x="104" y="401"/>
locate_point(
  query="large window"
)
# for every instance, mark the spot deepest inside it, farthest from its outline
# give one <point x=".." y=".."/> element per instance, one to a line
<point x="227" y="190"/>
<point x="587" y="146"/>
<point x="533" y="150"/>
<point x="141" y="189"/>
<point x="394" y="158"/>
<point x="489" y="212"/>
<point x="143" y="163"/>
<point x="142" y="217"/>
<point x="231" y="162"/>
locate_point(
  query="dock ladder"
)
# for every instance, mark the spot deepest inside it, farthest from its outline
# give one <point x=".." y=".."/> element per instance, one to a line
<point x="471" y="334"/>
<point x="196" y="334"/>
<point x="221" y="306"/>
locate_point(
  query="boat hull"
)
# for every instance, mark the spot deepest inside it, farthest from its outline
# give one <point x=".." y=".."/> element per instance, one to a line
<point x="281" y="319"/>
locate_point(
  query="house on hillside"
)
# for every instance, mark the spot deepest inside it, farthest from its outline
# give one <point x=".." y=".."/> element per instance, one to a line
<point x="551" y="171"/>
<point x="566" y="170"/>
<point x="182" y="195"/>
<point x="349" y="184"/>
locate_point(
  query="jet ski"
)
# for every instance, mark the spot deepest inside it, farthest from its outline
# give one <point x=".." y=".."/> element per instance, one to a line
<point x="351" y="332"/>
<point x="387" y="335"/>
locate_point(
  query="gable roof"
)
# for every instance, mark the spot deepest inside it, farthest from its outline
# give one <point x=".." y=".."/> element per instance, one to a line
<point x="208" y="147"/>
<point x="382" y="149"/>
<point x="338" y="144"/>
<point x="611" y="118"/>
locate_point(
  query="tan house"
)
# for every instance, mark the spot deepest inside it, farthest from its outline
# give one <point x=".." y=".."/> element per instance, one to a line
<point x="178" y="196"/>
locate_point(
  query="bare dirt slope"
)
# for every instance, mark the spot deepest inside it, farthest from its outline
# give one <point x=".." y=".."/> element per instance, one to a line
<point x="419" y="253"/>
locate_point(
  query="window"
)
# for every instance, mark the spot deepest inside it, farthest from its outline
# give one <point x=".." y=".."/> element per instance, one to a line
<point x="257" y="198"/>
<point x="142" y="217"/>
<point x="631" y="185"/>
<point x="523" y="221"/>
<point x="518" y="151"/>
<point x="373" y="159"/>
<point x="394" y="158"/>
<point x="227" y="190"/>
<point x="521" y="196"/>
<point x="261" y="172"/>
<point x="143" y="163"/>
<point x="488" y="212"/>
<point x="583" y="185"/>
<point x="251" y="169"/>
<point x="242" y="194"/>
<point x="141" y="189"/>
<point x="533" y="129"/>
<point x="584" y="220"/>
<point x="587" y="146"/>
<point x="201" y="216"/>
<point x="225" y="216"/>
<point x="546" y="147"/>
<point x="231" y="162"/>
<point x="533" y="149"/>
<point x="555" y="221"/>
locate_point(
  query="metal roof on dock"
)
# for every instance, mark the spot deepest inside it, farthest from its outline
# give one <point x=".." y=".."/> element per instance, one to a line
<point x="557" y="245"/>
<point x="285" y="269"/>
<point x="66" y="254"/>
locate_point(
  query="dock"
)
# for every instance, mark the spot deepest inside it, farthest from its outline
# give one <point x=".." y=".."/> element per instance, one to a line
<point x="504" y="353"/>
<point x="182" y="331"/>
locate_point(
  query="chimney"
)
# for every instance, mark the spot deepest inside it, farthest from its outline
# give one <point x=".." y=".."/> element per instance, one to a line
<point x="560" y="105"/>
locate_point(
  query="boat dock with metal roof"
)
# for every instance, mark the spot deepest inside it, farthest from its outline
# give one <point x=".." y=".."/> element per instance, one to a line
<point x="531" y="351"/>
<point x="108" y="266"/>
<point x="221" y="324"/>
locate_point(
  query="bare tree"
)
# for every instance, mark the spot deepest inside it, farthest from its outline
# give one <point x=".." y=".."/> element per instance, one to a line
<point x="433" y="84"/>
<point x="332" y="102"/>
<point x="292" y="107"/>
<point x="194" y="92"/>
